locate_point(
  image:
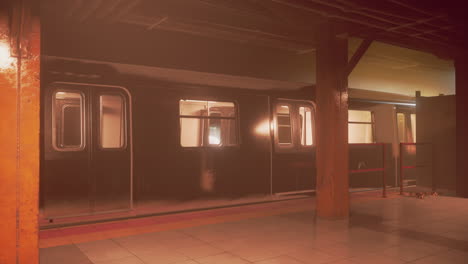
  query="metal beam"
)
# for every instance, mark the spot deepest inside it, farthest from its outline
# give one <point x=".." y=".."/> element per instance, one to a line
<point x="358" y="55"/>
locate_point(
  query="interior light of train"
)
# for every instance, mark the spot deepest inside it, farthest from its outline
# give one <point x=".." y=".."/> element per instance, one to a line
<point x="5" y="59"/>
<point x="193" y="101"/>
<point x="214" y="140"/>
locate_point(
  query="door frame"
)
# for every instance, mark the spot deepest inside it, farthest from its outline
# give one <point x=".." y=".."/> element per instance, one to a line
<point x="130" y="132"/>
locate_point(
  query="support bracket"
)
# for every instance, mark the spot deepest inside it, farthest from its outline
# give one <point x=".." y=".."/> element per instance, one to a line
<point x="358" y="55"/>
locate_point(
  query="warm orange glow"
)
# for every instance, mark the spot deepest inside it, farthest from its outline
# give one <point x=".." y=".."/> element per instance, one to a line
<point x="263" y="128"/>
<point x="5" y="59"/>
<point x="360" y="126"/>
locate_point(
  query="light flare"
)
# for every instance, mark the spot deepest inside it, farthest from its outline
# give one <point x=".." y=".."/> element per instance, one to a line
<point x="6" y="61"/>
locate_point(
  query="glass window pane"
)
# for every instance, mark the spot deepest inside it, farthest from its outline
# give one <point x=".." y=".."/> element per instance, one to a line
<point x="284" y="124"/>
<point x="401" y="124"/>
<point x="191" y="132"/>
<point x="228" y="133"/>
<point x="222" y="109"/>
<point x="305" y="115"/>
<point x="112" y="121"/>
<point x="359" y="116"/>
<point x="360" y="133"/>
<point x="214" y="126"/>
<point x="205" y="108"/>
<point x="68" y="120"/>
<point x="413" y="127"/>
<point x="214" y="130"/>
<point x="193" y="108"/>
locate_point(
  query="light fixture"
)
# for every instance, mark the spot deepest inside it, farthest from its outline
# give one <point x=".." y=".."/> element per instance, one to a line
<point x="5" y="59"/>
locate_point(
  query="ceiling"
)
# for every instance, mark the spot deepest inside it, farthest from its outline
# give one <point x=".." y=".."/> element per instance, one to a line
<point x="415" y="41"/>
<point x="430" y="25"/>
<point x="389" y="68"/>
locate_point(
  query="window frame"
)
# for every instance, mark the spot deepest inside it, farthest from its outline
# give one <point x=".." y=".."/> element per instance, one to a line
<point x="83" y="121"/>
<point x="295" y="146"/>
<point x="406" y="112"/>
<point x="372" y="123"/>
<point x="236" y="119"/>
<point x="313" y="120"/>
<point x="291" y="119"/>
<point x="125" y="121"/>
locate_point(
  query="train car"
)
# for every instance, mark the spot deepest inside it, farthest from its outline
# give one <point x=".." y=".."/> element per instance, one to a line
<point x="118" y="137"/>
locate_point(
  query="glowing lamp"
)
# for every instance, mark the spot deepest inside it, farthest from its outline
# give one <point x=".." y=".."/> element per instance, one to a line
<point x="5" y="59"/>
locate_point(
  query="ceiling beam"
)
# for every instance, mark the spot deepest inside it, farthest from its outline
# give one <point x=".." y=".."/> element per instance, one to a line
<point x="365" y="44"/>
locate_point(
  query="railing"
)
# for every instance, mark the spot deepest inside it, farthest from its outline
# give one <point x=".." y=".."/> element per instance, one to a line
<point x="382" y="169"/>
<point x="403" y="167"/>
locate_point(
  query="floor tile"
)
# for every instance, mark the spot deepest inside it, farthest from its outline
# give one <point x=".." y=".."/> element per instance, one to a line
<point x="103" y="250"/>
<point x="125" y="260"/>
<point x="199" y="251"/>
<point x="57" y="255"/>
<point x="224" y="258"/>
<point x="312" y="256"/>
<point x="376" y="258"/>
<point x="385" y="231"/>
<point x="280" y="260"/>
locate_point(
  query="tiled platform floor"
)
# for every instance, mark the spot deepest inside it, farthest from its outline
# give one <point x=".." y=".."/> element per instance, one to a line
<point x="392" y="230"/>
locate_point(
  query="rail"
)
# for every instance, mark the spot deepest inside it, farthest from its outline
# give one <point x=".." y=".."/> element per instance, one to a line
<point x="403" y="167"/>
<point x="382" y="169"/>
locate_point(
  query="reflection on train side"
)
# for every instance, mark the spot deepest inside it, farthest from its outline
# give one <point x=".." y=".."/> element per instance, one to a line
<point x="102" y="154"/>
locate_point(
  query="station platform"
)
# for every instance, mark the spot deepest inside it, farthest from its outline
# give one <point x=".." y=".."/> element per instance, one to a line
<point x="396" y="229"/>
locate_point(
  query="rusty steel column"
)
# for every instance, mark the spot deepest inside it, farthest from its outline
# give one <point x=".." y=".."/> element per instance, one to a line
<point x="332" y="126"/>
<point x="461" y="97"/>
<point x="19" y="133"/>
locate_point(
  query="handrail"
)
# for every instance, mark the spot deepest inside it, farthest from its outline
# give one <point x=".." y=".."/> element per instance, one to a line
<point x="383" y="169"/>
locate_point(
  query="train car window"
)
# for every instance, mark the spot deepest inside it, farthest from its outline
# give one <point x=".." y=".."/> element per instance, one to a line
<point x="401" y="124"/>
<point x="406" y="124"/>
<point x="360" y="126"/>
<point x="68" y="121"/>
<point x="284" y="128"/>
<point x="207" y="123"/>
<point x="112" y="121"/>
<point x="305" y="115"/>
<point x="413" y="126"/>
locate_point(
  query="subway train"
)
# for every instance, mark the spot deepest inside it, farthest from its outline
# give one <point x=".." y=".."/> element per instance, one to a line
<point x="118" y="136"/>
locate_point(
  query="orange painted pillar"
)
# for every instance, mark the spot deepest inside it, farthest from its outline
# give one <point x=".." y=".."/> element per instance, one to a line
<point x="19" y="133"/>
<point x="461" y="97"/>
<point x="332" y="126"/>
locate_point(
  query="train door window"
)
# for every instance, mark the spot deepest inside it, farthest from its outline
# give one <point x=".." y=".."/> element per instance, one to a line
<point x="401" y="125"/>
<point x="406" y="124"/>
<point x="413" y="126"/>
<point x="284" y="126"/>
<point x="207" y="123"/>
<point x="68" y="121"/>
<point x="305" y="116"/>
<point x="360" y="126"/>
<point x="112" y="121"/>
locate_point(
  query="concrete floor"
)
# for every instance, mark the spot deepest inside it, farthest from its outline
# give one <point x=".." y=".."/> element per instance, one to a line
<point x="393" y="230"/>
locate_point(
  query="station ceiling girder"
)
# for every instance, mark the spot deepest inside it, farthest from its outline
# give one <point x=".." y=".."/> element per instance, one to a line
<point x="430" y="26"/>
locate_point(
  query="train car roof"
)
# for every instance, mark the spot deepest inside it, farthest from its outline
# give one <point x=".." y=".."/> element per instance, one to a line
<point x="190" y="77"/>
<point x="209" y="79"/>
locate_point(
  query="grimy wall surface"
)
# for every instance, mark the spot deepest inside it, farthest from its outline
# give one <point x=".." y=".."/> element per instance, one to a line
<point x="19" y="133"/>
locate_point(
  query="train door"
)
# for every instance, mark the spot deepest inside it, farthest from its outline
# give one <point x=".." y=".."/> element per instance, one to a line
<point x="406" y="133"/>
<point x="111" y="154"/>
<point x="293" y="157"/>
<point x="86" y="151"/>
